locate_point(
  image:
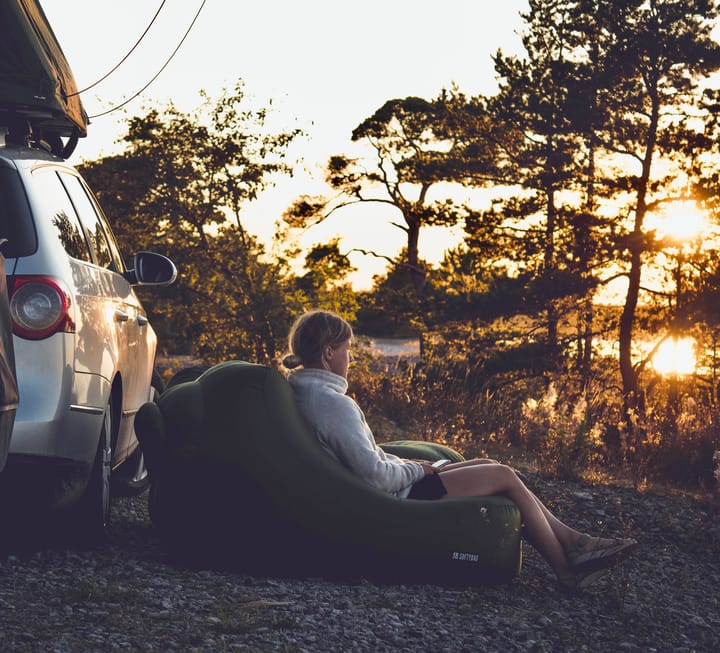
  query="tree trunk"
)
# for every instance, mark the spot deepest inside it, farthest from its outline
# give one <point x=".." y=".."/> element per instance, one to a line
<point x="417" y="271"/>
<point x="627" y="319"/>
<point x="549" y="265"/>
<point x="633" y="399"/>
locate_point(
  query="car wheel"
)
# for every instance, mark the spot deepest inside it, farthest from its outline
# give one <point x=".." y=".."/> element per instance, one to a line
<point x="92" y="512"/>
<point x="132" y="478"/>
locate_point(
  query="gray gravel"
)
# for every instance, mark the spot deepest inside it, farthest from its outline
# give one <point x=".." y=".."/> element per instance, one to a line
<point x="125" y="596"/>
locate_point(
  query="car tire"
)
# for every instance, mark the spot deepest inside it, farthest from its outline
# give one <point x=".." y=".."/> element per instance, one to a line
<point x="92" y="512"/>
<point x="132" y="478"/>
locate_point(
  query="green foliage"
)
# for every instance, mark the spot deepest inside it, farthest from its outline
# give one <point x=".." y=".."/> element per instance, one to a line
<point x="323" y="284"/>
<point x="180" y="188"/>
<point x="601" y="122"/>
<point x="414" y="141"/>
<point x="244" y="305"/>
<point x="393" y="289"/>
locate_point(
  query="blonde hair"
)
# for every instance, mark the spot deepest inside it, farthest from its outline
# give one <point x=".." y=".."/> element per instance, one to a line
<point x="311" y="333"/>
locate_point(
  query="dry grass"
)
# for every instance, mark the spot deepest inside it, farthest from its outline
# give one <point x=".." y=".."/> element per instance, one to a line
<point x="553" y="425"/>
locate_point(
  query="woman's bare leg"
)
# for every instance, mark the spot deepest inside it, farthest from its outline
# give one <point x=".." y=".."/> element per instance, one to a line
<point x="488" y="479"/>
<point x="565" y="534"/>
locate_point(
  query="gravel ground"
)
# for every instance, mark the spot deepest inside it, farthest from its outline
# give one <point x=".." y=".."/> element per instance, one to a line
<point x="56" y="597"/>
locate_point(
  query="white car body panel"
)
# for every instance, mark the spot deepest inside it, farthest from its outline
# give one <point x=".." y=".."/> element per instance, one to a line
<point x="67" y="380"/>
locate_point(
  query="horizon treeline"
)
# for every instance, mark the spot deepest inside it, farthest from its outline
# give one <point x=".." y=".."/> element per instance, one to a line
<point x="608" y="120"/>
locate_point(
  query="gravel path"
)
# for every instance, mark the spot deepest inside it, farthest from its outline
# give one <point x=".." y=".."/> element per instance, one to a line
<point x="125" y="596"/>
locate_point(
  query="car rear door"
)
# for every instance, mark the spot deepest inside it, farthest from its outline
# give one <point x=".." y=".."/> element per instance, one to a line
<point x="127" y="315"/>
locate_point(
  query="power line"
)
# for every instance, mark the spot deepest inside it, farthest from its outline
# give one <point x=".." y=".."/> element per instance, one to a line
<point x="170" y="58"/>
<point x="120" y="63"/>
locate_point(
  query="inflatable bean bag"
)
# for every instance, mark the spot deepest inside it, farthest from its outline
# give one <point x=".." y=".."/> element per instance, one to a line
<point x="239" y="479"/>
<point x="418" y="450"/>
<point x="187" y="374"/>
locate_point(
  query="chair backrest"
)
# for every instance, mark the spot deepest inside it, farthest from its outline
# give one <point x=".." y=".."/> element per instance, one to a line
<point x="244" y="416"/>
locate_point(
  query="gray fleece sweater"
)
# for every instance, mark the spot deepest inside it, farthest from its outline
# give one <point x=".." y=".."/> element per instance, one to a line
<point x="341" y="427"/>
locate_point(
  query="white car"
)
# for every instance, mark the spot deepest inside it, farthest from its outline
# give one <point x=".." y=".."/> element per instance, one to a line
<point x="84" y="349"/>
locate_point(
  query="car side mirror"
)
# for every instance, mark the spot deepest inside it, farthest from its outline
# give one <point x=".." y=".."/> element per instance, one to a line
<point x="151" y="269"/>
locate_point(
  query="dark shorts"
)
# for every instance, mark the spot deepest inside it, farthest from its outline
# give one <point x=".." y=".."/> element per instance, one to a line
<point x="427" y="488"/>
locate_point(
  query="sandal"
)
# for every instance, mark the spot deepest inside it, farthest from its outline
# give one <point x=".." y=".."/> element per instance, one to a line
<point x="593" y="553"/>
<point x="575" y="582"/>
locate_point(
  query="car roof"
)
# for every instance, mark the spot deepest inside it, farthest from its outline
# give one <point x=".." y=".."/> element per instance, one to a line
<point x="26" y="157"/>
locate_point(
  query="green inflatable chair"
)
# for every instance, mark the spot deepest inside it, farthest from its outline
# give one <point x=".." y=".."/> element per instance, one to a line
<point x="238" y="479"/>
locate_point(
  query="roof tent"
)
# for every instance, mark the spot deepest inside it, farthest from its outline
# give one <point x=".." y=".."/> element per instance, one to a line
<point x="38" y="93"/>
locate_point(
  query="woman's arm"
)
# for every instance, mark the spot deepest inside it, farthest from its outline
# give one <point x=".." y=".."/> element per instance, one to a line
<point x="344" y="430"/>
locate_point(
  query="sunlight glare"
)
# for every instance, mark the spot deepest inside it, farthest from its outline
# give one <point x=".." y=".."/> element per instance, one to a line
<point x="675" y="356"/>
<point x="681" y="221"/>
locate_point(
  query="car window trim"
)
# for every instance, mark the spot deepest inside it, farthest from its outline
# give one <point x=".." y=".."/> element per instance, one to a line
<point x="115" y="252"/>
<point x="60" y="171"/>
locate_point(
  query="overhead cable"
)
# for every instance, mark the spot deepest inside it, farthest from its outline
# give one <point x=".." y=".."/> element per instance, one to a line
<point x="120" y="63"/>
<point x="170" y="58"/>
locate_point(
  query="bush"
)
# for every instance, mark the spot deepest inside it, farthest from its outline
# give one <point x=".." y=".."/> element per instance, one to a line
<point x="565" y="435"/>
<point x="569" y="425"/>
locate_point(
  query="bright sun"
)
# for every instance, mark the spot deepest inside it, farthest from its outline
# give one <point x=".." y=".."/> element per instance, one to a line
<point x="675" y="356"/>
<point x="680" y="221"/>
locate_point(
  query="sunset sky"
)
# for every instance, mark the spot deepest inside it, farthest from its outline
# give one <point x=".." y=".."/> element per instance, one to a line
<point x="325" y="65"/>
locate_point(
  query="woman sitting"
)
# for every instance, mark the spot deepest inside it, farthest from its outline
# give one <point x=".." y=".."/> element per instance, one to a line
<point x="320" y="344"/>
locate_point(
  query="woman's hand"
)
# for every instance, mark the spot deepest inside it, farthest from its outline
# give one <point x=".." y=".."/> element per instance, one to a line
<point x="427" y="467"/>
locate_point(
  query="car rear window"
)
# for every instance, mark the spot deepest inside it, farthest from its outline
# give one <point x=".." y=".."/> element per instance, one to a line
<point x="54" y="207"/>
<point x="16" y="223"/>
<point x="87" y="211"/>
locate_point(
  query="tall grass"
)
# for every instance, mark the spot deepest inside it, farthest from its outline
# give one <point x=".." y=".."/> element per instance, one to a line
<point x="569" y="426"/>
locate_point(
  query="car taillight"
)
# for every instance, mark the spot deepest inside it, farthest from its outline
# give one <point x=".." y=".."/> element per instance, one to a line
<point x="39" y="306"/>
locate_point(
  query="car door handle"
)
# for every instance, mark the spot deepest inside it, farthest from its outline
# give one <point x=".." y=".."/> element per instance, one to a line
<point x="121" y="316"/>
<point x="142" y="320"/>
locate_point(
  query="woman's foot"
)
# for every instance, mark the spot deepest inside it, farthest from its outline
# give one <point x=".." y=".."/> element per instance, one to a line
<point x="578" y="581"/>
<point x="595" y="553"/>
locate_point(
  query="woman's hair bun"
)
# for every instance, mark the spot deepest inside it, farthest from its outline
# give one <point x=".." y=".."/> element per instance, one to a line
<point x="291" y="361"/>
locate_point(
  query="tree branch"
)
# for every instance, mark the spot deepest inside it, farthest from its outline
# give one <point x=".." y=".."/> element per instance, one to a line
<point x="342" y="205"/>
<point x="389" y="259"/>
